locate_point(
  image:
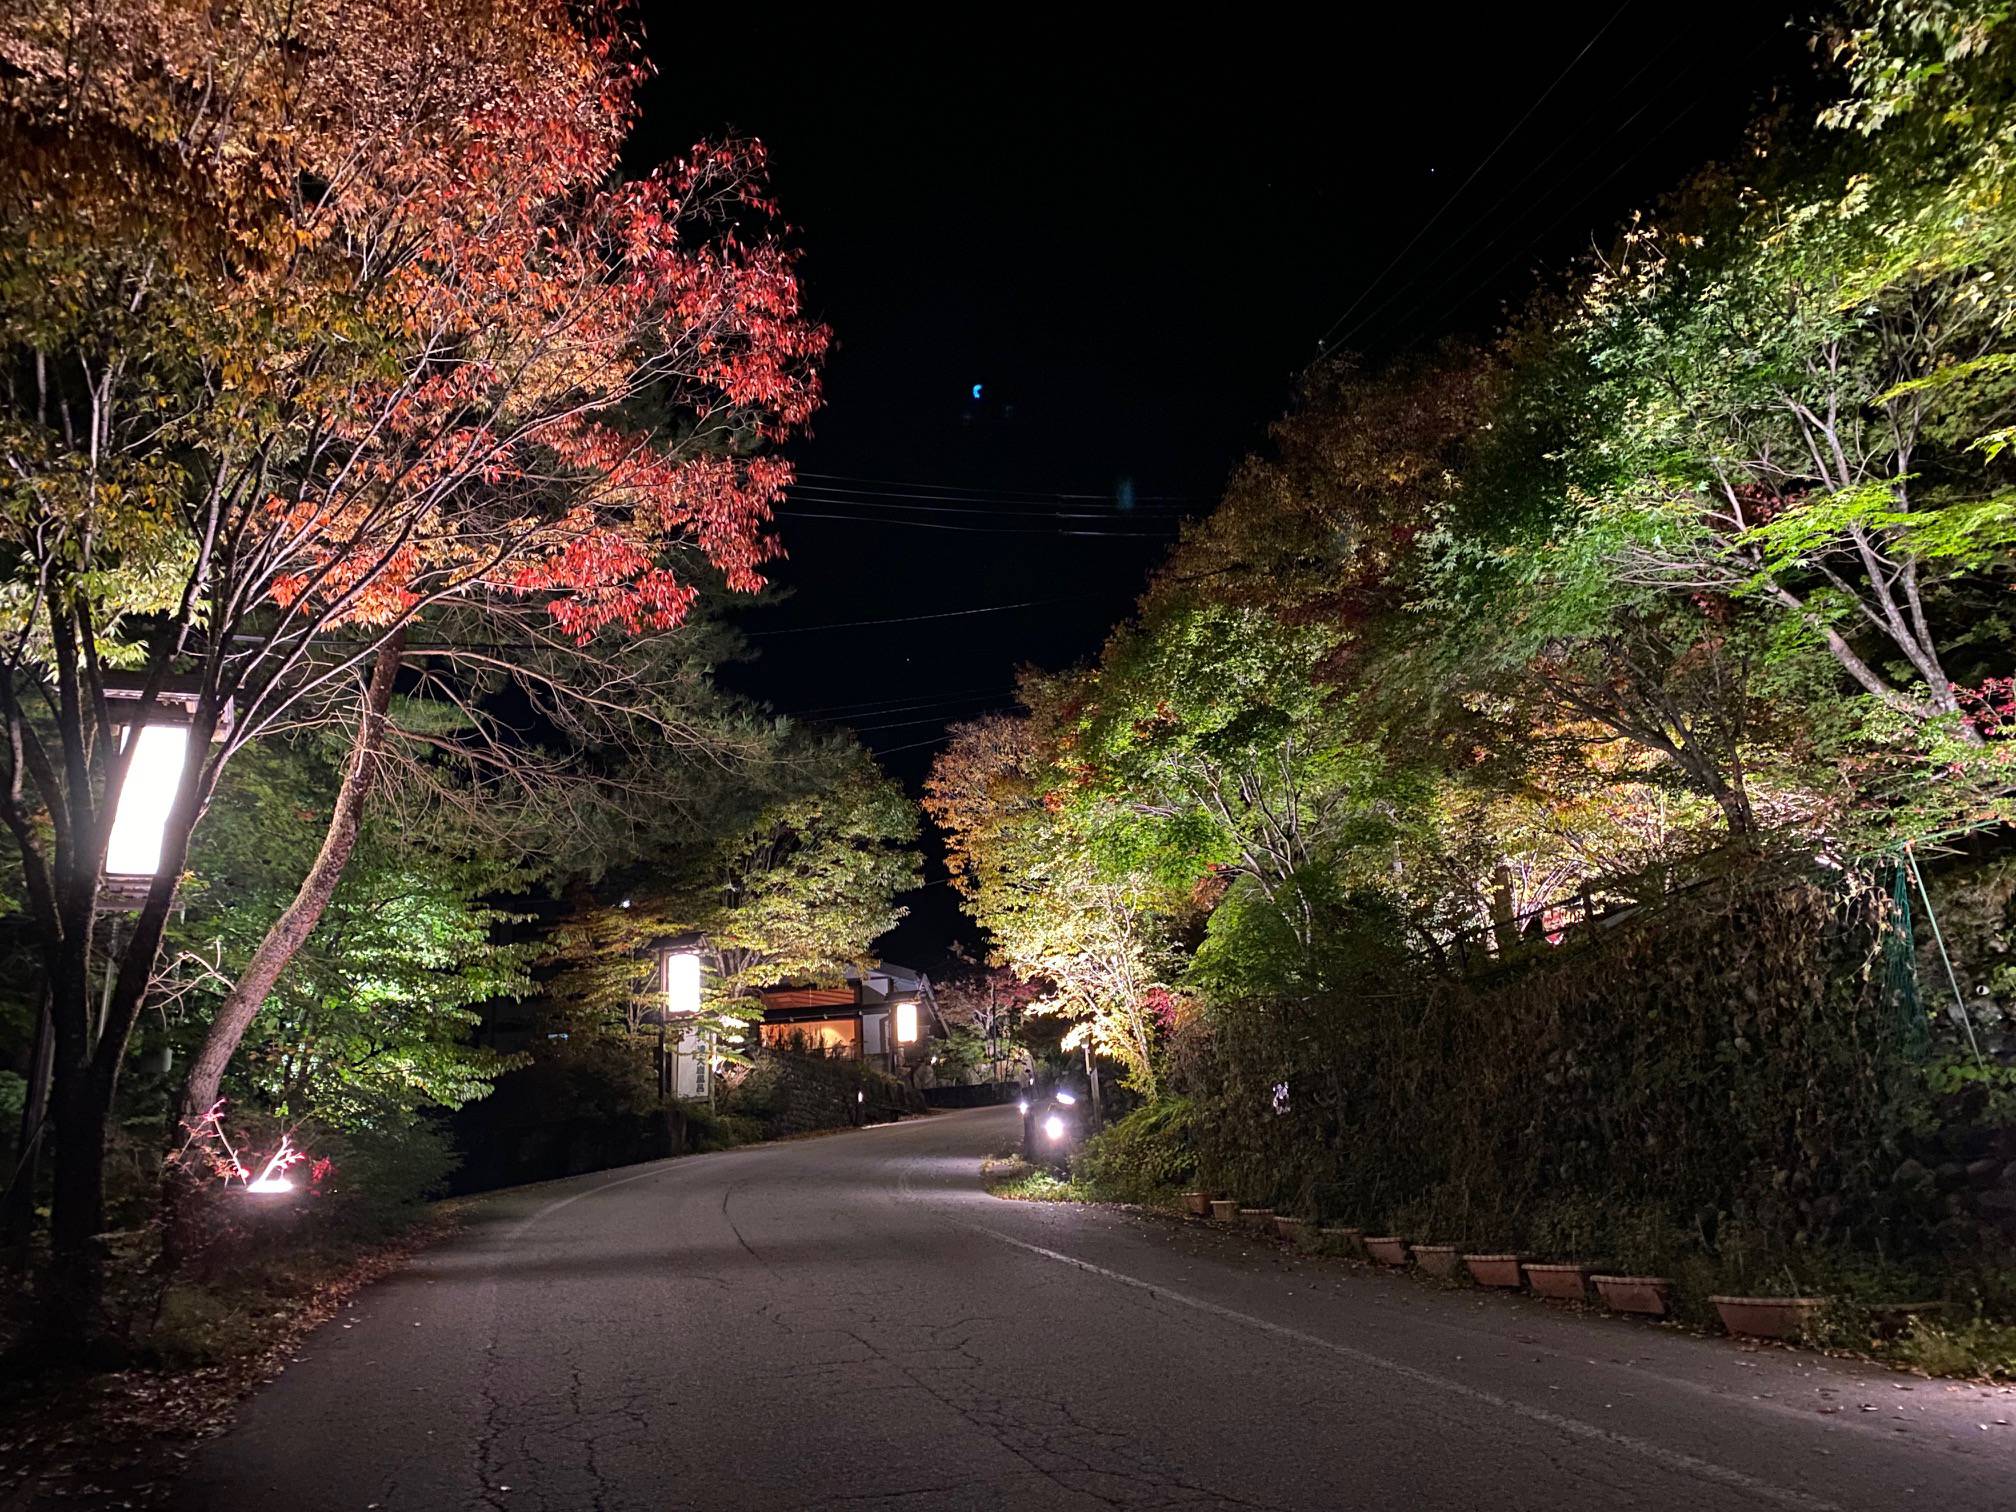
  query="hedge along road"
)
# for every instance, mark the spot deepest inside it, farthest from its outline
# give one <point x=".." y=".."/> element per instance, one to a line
<point x="851" y="1322"/>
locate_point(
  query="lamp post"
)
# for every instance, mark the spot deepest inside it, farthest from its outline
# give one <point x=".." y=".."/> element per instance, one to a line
<point x="155" y="736"/>
<point x="683" y="973"/>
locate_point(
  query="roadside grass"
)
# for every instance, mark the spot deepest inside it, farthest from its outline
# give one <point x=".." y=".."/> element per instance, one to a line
<point x="1013" y="1178"/>
<point x="1976" y="1350"/>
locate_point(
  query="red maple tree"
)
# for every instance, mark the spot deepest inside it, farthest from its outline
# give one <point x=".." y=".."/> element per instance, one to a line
<point x="323" y="318"/>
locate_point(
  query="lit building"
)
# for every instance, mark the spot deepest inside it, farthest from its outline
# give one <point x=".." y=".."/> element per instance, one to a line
<point x="883" y="1015"/>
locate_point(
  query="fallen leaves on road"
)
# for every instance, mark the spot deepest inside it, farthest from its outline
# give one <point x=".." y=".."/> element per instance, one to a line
<point x="116" y="1441"/>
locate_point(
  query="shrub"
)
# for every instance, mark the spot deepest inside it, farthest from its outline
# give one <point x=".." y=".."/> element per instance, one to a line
<point x="1146" y="1157"/>
<point x="1725" y="1076"/>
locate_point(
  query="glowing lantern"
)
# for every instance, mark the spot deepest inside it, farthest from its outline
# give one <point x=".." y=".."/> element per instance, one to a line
<point x="154" y="742"/>
<point x="141" y="818"/>
<point x="682" y="982"/>
<point x="906" y="1022"/>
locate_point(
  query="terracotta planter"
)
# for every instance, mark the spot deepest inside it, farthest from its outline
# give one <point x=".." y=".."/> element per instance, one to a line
<point x="1651" y="1296"/>
<point x="1225" y="1212"/>
<point x="1345" y="1241"/>
<point x="1287" y="1228"/>
<point x="1494" y="1270"/>
<point x="1769" y="1317"/>
<point x="1564" y="1283"/>
<point x="1387" y="1251"/>
<point x="1260" y="1220"/>
<point x="1197" y="1204"/>
<point x="1438" y="1260"/>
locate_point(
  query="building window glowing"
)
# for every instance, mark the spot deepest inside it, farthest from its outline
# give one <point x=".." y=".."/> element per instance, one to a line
<point x="906" y="1023"/>
<point x="812" y="1034"/>
<point x="134" y="847"/>
<point x="682" y="983"/>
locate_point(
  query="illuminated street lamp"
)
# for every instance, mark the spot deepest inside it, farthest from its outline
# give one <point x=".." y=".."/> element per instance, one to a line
<point x="157" y="735"/>
<point x="681" y="972"/>
<point x="148" y="793"/>
<point x="682" y="982"/>
<point x="906" y="1021"/>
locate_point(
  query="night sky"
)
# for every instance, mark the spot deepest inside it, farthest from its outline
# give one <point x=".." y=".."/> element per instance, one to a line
<point x="1128" y="241"/>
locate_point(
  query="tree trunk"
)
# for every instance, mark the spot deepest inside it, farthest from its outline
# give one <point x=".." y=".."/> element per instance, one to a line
<point x="75" y="1280"/>
<point x="1735" y="805"/>
<point x="74" y="1287"/>
<point x="91" y="1032"/>
<point x="17" y="1221"/>
<point x="297" y="921"/>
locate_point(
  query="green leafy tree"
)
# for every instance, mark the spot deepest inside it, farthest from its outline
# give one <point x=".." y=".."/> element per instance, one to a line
<point x="1801" y="384"/>
<point x="795" y="879"/>
<point x="374" y="1018"/>
<point x="1056" y="911"/>
<point x="1209" y="747"/>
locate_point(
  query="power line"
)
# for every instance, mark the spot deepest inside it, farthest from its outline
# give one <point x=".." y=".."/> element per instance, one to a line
<point x="914" y="744"/>
<point x="1323" y="341"/>
<point x="1124" y="535"/>
<point x="901" y="724"/>
<point x="1421" y="270"/>
<point x="907" y="619"/>
<point x="875" y="705"/>
<point x="819" y="496"/>
<point x="982" y="503"/>
<point x="945" y="707"/>
<point x="1595" y="188"/>
<point x="1588" y="193"/>
<point x="942" y="488"/>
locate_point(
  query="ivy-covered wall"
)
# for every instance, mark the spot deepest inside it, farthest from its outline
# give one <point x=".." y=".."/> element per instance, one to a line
<point x="1737" y="1078"/>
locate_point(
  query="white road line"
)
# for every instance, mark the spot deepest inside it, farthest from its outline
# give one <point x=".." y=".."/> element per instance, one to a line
<point x="1672" y="1459"/>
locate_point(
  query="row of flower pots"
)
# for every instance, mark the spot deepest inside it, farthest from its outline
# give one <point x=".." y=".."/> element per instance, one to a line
<point x="1566" y="1281"/>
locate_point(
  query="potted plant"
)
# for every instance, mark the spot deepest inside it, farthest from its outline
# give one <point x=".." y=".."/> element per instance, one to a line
<point x="1494" y="1270"/>
<point x="1651" y="1296"/>
<point x="1438" y="1260"/>
<point x="1344" y="1241"/>
<point x="1288" y="1228"/>
<point x="1259" y="1220"/>
<point x="1197" y="1204"/>
<point x="1565" y="1281"/>
<point x="1224" y="1210"/>
<point x="1387" y="1249"/>
<point x="1769" y="1317"/>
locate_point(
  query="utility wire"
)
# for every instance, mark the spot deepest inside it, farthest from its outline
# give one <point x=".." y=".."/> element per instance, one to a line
<point x="813" y="496"/>
<point x="908" y="619"/>
<point x="1448" y="246"/>
<point x="1588" y="193"/>
<point x="1123" y="535"/>
<point x="947" y="708"/>
<point x="902" y="724"/>
<point x="1595" y="188"/>
<point x="1040" y="493"/>
<point x="981" y="503"/>
<point x="1323" y="341"/>
<point x="913" y="745"/>
<point x="875" y="705"/>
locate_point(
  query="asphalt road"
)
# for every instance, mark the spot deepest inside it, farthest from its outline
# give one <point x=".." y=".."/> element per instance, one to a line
<point x="850" y="1322"/>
